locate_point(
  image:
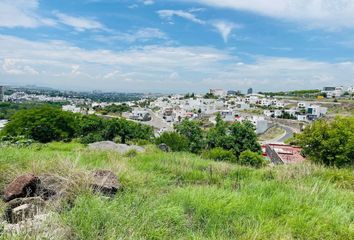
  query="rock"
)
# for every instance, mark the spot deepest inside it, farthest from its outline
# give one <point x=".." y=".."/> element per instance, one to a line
<point x="42" y="226"/>
<point x="23" y="186"/>
<point x="109" y="145"/>
<point x="51" y="186"/>
<point x="106" y="182"/>
<point x="20" y="209"/>
<point x="163" y="147"/>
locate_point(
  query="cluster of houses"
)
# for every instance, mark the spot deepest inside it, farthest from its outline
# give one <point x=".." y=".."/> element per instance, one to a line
<point x="303" y="112"/>
<point x="337" y="92"/>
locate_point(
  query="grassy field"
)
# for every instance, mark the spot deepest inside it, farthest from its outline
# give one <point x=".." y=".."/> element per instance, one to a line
<point x="181" y="196"/>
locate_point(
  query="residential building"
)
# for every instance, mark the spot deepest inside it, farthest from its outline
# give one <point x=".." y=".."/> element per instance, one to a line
<point x="283" y="154"/>
<point x="140" y="115"/>
<point x="314" y="112"/>
<point x="333" y="92"/>
<point x="2" y="93"/>
<point x="218" y="92"/>
<point x="71" y="108"/>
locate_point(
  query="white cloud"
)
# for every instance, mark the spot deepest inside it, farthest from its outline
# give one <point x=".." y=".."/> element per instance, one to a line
<point x="225" y="28"/>
<point x="169" y="14"/>
<point x="141" y="35"/>
<point x="79" y="23"/>
<point x="328" y="14"/>
<point x="159" y="68"/>
<point x="22" y="13"/>
<point x="148" y="2"/>
<point x="17" y="67"/>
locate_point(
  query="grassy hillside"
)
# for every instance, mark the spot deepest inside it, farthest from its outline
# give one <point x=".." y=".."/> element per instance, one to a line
<point x="181" y="196"/>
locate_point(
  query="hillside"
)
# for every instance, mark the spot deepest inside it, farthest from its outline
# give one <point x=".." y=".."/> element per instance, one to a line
<point x="181" y="196"/>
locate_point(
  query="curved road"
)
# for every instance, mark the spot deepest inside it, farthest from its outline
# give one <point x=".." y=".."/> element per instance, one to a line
<point x="289" y="132"/>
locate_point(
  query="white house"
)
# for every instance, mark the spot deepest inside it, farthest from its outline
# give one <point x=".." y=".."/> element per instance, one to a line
<point x="71" y="108"/>
<point x="314" y="112"/>
<point x="302" y="105"/>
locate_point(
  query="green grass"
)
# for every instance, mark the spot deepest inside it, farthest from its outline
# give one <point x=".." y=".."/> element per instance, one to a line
<point x="181" y="196"/>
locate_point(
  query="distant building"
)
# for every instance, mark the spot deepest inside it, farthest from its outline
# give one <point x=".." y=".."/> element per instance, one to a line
<point x="333" y="92"/>
<point x="218" y="92"/>
<point x="232" y="93"/>
<point x="139" y="115"/>
<point x="250" y="91"/>
<point x="2" y="92"/>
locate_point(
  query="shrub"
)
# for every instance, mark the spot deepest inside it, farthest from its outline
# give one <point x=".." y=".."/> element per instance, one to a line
<point x="251" y="159"/>
<point x="329" y="142"/>
<point x="219" y="154"/>
<point x="175" y="141"/>
<point x="91" y="138"/>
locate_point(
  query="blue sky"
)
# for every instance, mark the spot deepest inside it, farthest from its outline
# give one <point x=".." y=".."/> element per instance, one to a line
<point x="177" y="46"/>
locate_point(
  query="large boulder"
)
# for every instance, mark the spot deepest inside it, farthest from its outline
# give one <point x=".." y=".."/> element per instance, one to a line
<point x="111" y="146"/>
<point x="51" y="186"/>
<point x="23" y="186"/>
<point x="105" y="182"/>
<point x="20" y="209"/>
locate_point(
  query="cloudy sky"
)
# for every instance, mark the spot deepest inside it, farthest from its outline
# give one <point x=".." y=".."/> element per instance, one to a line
<point x="177" y="45"/>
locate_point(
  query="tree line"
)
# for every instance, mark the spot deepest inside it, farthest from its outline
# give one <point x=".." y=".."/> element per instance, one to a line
<point x="46" y="124"/>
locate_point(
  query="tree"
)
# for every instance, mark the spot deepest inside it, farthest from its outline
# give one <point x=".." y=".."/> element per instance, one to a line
<point x="329" y="142"/>
<point x="194" y="133"/>
<point x="46" y="124"/>
<point x="174" y="140"/>
<point x="216" y="136"/>
<point x="236" y="137"/>
<point x="250" y="158"/>
<point x="42" y="124"/>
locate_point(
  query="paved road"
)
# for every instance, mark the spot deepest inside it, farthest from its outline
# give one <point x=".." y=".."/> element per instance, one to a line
<point x="289" y="132"/>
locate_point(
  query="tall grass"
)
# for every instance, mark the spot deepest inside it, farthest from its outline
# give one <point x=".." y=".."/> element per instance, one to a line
<point x="181" y="196"/>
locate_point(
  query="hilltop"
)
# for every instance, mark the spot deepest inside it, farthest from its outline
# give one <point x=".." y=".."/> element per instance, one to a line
<point x="182" y="196"/>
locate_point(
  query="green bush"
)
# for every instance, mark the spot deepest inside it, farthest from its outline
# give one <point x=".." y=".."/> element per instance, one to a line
<point x="91" y="138"/>
<point x="329" y="142"/>
<point x="175" y="141"/>
<point x="219" y="154"/>
<point x="251" y="159"/>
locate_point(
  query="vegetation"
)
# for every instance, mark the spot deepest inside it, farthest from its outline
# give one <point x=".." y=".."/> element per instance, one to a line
<point x="234" y="138"/>
<point x="181" y="196"/>
<point x="193" y="132"/>
<point x="329" y="142"/>
<point x="251" y="159"/>
<point x="46" y="124"/>
<point x="116" y="109"/>
<point x="237" y="137"/>
<point x="7" y="109"/>
<point x="297" y="93"/>
<point x="210" y="96"/>
<point x="175" y="141"/>
<point x="219" y="154"/>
